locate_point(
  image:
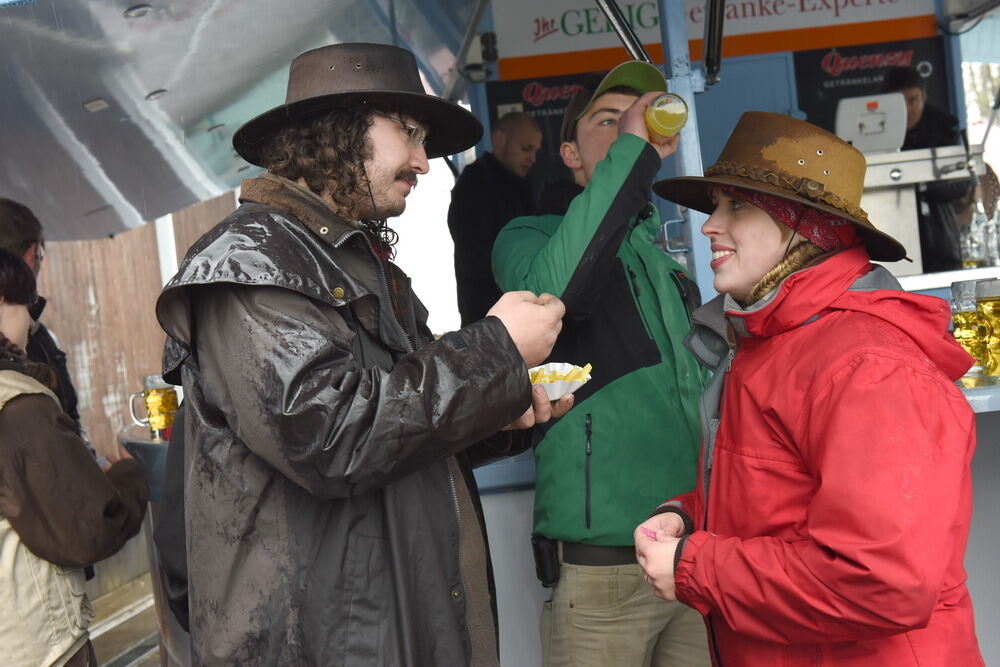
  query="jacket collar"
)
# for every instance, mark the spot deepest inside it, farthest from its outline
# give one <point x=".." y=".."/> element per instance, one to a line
<point x="798" y="299"/>
<point x="14" y="358"/>
<point x="36" y="308"/>
<point x="847" y="282"/>
<point x="301" y="203"/>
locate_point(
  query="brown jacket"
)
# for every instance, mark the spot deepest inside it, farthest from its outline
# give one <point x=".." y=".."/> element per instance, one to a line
<point x="65" y="509"/>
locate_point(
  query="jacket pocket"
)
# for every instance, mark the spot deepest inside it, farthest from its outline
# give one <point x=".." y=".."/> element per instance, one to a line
<point x="76" y="609"/>
<point x="588" y="431"/>
<point x="636" y="292"/>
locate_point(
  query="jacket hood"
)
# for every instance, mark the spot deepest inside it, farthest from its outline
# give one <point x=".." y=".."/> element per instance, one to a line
<point x="847" y="281"/>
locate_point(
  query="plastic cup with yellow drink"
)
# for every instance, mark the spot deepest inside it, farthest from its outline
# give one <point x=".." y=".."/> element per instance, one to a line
<point x="665" y="116"/>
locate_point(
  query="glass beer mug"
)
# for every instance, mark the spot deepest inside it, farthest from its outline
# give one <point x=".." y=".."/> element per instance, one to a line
<point x="967" y="329"/>
<point x="160" y="400"/>
<point x="988" y="309"/>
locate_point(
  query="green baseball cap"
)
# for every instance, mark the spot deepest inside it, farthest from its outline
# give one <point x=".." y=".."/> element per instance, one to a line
<point x="635" y="74"/>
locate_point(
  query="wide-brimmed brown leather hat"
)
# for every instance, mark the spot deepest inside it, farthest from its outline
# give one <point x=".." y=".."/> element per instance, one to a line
<point x="343" y="75"/>
<point x="792" y="159"/>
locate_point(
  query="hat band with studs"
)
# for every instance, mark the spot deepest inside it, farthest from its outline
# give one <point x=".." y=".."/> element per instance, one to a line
<point x="806" y="187"/>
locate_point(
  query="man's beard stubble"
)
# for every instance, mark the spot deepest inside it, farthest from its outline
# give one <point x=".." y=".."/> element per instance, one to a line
<point x="378" y="208"/>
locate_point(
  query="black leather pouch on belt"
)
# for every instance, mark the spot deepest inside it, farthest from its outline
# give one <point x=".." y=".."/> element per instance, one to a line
<point x="546" y="560"/>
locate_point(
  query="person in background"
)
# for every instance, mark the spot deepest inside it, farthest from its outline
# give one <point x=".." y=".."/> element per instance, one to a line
<point x="331" y="514"/>
<point x="491" y="192"/>
<point x="928" y="127"/>
<point x="21" y="233"/>
<point x="831" y="515"/>
<point x="59" y="512"/>
<point x="633" y="431"/>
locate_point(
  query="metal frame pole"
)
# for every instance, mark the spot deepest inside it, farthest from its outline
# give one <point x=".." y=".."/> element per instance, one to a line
<point x="454" y="88"/>
<point x="685" y="82"/>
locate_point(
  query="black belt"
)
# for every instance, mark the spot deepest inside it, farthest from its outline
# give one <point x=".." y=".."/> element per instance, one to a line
<point x="576" y="553"/>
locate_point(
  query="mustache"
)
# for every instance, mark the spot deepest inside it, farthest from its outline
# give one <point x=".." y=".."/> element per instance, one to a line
<point x="407" y="175"/>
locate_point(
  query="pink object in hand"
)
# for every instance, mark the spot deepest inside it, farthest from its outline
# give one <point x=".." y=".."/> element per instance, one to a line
<point x="647" y="532"/>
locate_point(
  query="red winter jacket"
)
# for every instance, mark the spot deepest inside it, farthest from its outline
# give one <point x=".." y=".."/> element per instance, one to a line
<point x="839" y="489"/>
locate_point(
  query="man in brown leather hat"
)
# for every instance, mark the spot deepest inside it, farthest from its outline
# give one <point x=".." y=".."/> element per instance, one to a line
<point x="331" y="513"/>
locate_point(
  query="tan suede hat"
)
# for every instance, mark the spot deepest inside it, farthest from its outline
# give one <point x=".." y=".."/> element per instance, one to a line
<point x="792" y="159"/>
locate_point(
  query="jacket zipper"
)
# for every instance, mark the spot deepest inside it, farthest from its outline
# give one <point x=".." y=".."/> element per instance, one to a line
<point x="588" y="449"/>
<point x="392" y="303"/>
<point x="713" y="430"/>
<point x="635" y="282"/>
<point x="453" y="469"/>
<point x="685" y="295"/>
<point x="454" y="498"/>
<point x="710" y="455"/>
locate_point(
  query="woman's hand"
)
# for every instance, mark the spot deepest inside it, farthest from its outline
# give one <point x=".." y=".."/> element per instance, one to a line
<point x="665" y="524"/>
<point x="656" y="555"/>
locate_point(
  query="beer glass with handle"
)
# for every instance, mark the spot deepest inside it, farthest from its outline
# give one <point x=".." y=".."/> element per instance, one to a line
<point x="967" y="329"/>
<point x="160" y="400"/>
<point x="988" y="309"/>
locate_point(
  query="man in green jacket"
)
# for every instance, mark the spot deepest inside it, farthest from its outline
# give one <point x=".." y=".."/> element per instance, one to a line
<point x="633" y="431"/>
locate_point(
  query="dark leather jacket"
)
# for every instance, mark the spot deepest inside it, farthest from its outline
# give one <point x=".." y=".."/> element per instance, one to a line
<point x="331" y="515"/>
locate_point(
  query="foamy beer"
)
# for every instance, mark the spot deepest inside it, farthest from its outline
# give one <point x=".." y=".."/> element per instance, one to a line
<point x="665" y="116"/>
<point x="160" y="400"/>
<point x="988" y="309"/>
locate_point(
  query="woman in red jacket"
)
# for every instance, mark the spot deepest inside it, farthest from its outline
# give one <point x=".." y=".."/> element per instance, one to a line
<point x="831" y="515"/>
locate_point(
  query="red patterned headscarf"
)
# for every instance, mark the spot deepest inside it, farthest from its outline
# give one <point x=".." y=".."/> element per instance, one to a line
<point x="826" y="230"/>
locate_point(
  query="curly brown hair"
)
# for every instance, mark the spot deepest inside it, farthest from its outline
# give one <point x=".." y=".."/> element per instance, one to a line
<point x="328" y="151"/>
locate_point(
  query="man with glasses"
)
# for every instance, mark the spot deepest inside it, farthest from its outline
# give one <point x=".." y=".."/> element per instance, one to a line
<point x="331" y="512"/>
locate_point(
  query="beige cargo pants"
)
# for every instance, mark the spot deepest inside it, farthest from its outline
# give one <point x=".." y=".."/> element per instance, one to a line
<point x="607" y="616"/>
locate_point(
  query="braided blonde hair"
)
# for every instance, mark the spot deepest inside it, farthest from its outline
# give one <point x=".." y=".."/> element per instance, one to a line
<point x="798" y="257"/>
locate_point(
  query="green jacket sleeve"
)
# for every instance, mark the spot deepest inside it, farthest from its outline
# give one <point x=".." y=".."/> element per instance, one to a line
<point x="572" y="257"/>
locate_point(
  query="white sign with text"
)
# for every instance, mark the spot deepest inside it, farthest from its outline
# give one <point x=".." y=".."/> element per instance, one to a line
<point x="529" y="28"/>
